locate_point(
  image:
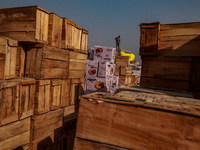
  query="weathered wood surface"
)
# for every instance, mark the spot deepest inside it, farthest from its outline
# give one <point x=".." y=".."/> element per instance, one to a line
<point x="149" y="35"/>
<point x="20" y="62"/>
<point x="81" y="144"/>
<point x="9" y="101"/>
<point x="56" y="86"/>
<point x="122" y="60"/>
<point x="26" y="96"/>
<point x="65" y="92"/>
<point x="44" y="125"/>
<point x="139" y="121"/>
<point x="180" y="39"/>
<point x="68" y="34"/>
<point x="84" y="41"/>
<point x="74" y="91"/>
<point x="47" y="62"/>
<point x="55" y="30"/>
<point x="77" y="37"/>
<point x="43" y="96"/>
<point x="26" y="24"/>
<point x="8" y="57"/>
<point x="15" y="135"/>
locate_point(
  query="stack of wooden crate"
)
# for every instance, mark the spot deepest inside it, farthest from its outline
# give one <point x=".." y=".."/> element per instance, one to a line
<point x="124" y="71"/>
<point x="42" y="62"/>
<point x="170" y="55"/>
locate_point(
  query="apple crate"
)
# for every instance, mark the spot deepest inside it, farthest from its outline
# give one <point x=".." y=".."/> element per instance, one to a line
<point x="25" y="24"/>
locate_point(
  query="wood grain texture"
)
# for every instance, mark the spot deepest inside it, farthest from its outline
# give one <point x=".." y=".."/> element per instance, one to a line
<point x="27" y="24"/>
<point x="15" y="134"/>
<point x="84" y="41"/>
<point x="65" y="93"/>
<point x="55" y="30"/>
<point x="136" y="127"/>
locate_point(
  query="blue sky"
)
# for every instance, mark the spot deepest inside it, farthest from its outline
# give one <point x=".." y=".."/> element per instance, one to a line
<point x="106" y="19"/>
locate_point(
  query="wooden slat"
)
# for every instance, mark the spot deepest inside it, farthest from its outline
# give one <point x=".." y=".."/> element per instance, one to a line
<point x="45" y="124"/>
<point x="55" y="102"/>
<point x="146" y="128"/>
<point x="55" y="30"/>
<point x="65" y="93"/>
<point x="75" y="55"/>
<point x="15" y="134"/>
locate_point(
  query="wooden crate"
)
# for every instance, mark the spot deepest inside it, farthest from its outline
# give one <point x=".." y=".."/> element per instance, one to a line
<point x="9" y="101"/>
<point x="65" y="92"/>
<point x="68" y="34"/>
<point x="77" y="65"/>
<point x="46" y="62"/>
<point x="136" y="120"/>
<point x="45" y="127"/>
<point x="16" y="135"/>
<point x="180" y="39"/>
<point x="20" y="62"/>
<point x="8" y="56"/>
<point x="77" y="37"/>
<point x="84" y="41"/>
<point x="122" y="60"/>
<point x="56" y="86"/>
<point x="125" y="70"/>
<point x="26" y="96"/>
<point x="125" y="80"/>
<point x="43" y="96"/>
<point x="55" y="30"/>
<point x="26" y="24"/>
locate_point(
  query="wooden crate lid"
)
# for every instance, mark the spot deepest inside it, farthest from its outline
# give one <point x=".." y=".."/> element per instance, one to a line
<point x="149" y="25"/>
<point x="179" y="105"/>
<point x="71" y="22"/>
<point x="53" y="14"/>
<point x="8" y="84"/>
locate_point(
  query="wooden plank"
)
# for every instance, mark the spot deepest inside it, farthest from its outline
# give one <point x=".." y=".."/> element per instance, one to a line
<point x="146" y="128"/>
<point x="68" y="34"/>
<point x="9" y="102"/>
<point x="43" y="96"/>
<point x="91" y="145"/>
<point x="48" y="63"/>
<point x="44" y="125"/>
<point x="122" y="60"/>
<point x="65" y="93"/>
<point x="149" y="39"/>
<point x="195" y="72"/>
<point x="25" y="23"/>
<point x="84" y="40"/>
<point x="76" y="64"/>
<point x="164" y="83"/>
<point x="74" y="91"/>
<point x="77" y="37"/>
<point x="20" y="62"/>
<point x="15" y="135"/>
<point x="55" y="30"/>
<point x="55" y="102"/>
<point x="53" y="73"/>
<point x="75" y="55"/>
<point x="76" y="74"/>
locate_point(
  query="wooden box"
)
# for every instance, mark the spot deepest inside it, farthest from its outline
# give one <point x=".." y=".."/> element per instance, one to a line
<point x="26" y="96"/>
<point x="125" y="80"/>
<point x="68" y="34"/>
<point x="77" y="65"/>
<point x="43" y="96"/>
<point x="77" y="37"/>
<point x="55" y="30"/>
<point x="74" y="91"/>
<point x="9" y="101"/>
<point x="46" y="62"/>
<point x="16" y="135"/>
<point x="56" y="85"/>
<point x="181" y="39"/>
<point x="84" y="41"/>
<point x="125" y="70"/>
<point x="45" y="127"/>
<point x="20" y="62"/>
<point x="136" y="120"/>
<point x="122" y="60"/>
<point x="8" y="56"/>
<point x="25" y="24"/>
<point x="65" y="93"/>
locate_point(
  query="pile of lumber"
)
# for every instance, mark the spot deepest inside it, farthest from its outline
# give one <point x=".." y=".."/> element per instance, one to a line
<point x="170" y="55"/>
<point x="124" y="71"/>
<point x="138" y="118"/>
<point x="42" y="63"/>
